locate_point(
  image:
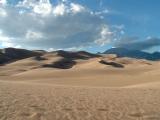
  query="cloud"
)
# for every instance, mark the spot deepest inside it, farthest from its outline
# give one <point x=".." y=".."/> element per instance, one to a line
<point x="59" y="9"/>
<point x="3" y="13"/>
<point x="136" y="44"/>
<point x="39" y="24"/>
<point x="3" y="2"/>
<point x="31" y="35"/>
<point x="105" y="36"/>
<point x="119" y="27"/>
<point x="105" y="11"/>
<point x="75" y="8"/>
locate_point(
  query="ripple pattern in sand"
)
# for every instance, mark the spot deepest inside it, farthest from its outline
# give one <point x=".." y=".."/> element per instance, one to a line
<point x="42" y="102"/>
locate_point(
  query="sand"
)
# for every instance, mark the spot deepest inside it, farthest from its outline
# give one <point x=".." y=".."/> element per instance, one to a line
<point x="87" y="91"/>
<point x="26" y="101"/>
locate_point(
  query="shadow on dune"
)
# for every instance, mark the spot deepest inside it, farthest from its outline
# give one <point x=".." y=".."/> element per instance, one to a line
<point x="76" y="55"/>
<point x="61" y="64"/>
<point x="114" y="64"/>
<point x="68" y="59"/>
<point x="39" y="58"/>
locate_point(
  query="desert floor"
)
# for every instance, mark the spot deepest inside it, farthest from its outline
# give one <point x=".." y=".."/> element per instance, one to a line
<point x="31" y="101"/>
<point x="88" y="91"/>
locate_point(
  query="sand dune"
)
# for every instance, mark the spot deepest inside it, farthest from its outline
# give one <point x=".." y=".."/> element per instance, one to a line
<point x="83" y="72"/>
<point x="51" y="87"/>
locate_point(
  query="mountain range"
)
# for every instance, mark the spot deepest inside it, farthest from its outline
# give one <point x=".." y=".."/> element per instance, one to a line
<point x="8" y="55"/>
<point x="123" y="52"/>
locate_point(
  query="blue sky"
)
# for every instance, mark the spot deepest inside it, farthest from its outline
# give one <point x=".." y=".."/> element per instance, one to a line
<point x="129" y="21"/>
<point x="140" y="17"/>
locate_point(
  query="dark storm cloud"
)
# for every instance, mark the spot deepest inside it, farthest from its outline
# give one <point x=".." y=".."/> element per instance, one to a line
<point x="137" y="44"/>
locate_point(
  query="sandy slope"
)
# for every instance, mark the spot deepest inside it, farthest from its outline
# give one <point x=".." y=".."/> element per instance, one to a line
<point x="26" y="101"/>
<point x="88" y="91"/>
<point x="85" y="72"/>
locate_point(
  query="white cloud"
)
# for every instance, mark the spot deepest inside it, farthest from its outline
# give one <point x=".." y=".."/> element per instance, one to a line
<point x="71" y="8"/>
<point x="27" y="3"/>
<point x="76" y="8"/>
<point x="43" y="8"/>
<point x="59" y="9"/>
<point x="39" y="24"/>
<point x="105" y="36"/>
<point x="3" y="2"/>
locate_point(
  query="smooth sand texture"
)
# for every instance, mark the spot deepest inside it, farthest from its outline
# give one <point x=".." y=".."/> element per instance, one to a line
<point x="88" y="91"/>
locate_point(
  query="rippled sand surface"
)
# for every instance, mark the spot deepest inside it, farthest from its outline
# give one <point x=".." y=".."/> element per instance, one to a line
<point x="31" y="101"/>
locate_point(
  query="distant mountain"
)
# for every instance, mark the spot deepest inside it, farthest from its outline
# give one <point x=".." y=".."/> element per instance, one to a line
<point x="123" y="52"/>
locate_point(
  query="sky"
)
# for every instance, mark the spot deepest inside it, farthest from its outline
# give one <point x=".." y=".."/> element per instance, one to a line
<point x="92" y="25"/>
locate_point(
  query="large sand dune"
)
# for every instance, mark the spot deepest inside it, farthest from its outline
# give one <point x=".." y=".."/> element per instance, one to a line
<point x="51" y="87"/>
